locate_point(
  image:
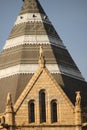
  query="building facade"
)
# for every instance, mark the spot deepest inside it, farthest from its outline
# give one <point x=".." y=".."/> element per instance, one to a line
<point x="41" y="87"/>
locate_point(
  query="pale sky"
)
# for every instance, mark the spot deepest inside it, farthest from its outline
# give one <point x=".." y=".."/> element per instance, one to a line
<point x="69" y="17"/>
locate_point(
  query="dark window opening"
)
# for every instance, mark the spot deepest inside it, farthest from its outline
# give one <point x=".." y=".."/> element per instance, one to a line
<point x="31" y="112"/>
<point x="54" y="111"/>
<point x="42" y="107"/>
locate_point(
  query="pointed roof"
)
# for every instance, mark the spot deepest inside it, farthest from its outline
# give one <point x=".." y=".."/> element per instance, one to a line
<point x="19" y="57"/>
<point x="31" y="24"/>
<point x="30" y="30"/>
<point x="32" y="6"/>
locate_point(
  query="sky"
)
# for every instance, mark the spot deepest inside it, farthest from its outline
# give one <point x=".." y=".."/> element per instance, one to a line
<point x="69" y="17"/>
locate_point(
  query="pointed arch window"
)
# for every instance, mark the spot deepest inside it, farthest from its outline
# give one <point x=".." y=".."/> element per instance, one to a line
<point x="31" y="108"/>
<point x="42" y="102"/>
<point x="54" y="111"/>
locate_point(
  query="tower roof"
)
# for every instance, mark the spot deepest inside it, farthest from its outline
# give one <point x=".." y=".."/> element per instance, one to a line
<point x="32" y="23"/>
<point x="19" y="58"/>
<point x="32" y="6"/>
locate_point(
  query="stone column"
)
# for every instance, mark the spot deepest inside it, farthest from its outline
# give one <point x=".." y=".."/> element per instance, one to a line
<point x="78" y="121"/>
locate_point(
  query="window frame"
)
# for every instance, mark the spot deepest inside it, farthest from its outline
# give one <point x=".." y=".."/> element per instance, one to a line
<point x="31" y="112"/>
<point x="54" y="114"/>
<point x="42" y="106"/>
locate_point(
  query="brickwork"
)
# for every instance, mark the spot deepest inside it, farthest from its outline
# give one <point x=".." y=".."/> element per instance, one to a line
<point x="65" y="108"/>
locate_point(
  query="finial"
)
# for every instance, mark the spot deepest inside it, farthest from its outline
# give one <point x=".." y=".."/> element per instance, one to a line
<point x="41" y="58"/>
<point x="41" y="51"/>
<point x="78" y="98"/>
<point x="9" y="99"/>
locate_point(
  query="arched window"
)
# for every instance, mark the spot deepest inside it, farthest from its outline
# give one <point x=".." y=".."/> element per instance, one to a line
<point x="31" y="112"/>
<point x="42" y="106"/>
<point x="54" y="111"/>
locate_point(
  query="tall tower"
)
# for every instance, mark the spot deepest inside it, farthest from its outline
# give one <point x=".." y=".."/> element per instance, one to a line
<point x="19" y="57"/>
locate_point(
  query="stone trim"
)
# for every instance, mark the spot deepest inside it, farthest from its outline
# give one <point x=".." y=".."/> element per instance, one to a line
<point x="29" y="17"/>
<point x="33" y="28"/>
<point x="31" y="68"/>
<point x="33" y="39"/>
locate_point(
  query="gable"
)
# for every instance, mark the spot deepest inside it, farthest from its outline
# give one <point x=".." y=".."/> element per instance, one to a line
<point x="42" y="80"/>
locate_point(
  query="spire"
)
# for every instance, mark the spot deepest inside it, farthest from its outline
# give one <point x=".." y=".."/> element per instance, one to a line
<point x="32" y="27"/>
<point x="32" y="6"/>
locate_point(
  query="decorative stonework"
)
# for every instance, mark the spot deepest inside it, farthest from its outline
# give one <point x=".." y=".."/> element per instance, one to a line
<point x="43" y="80"/>
<point x="33" y="28"/>
<point x="29" y="17"/>
<point x="41" y="58"/>
<point x="78" y="117"/>
<point x="78" y="99"/>
<point x="9" y="100"/>
<point x="30" y="69"/>
<point x="33" y="40"/>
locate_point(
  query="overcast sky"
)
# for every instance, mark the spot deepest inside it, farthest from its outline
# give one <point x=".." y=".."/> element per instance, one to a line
<point x="69" y="18"/>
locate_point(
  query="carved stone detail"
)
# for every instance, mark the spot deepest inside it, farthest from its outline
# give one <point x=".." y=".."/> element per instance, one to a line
<point x="9" y="99"/>
<point x="41" y="58"/>
<point x="78" y="98"/>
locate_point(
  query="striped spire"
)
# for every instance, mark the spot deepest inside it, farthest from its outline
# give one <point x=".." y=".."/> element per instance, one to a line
<point x="32" y="27"/>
